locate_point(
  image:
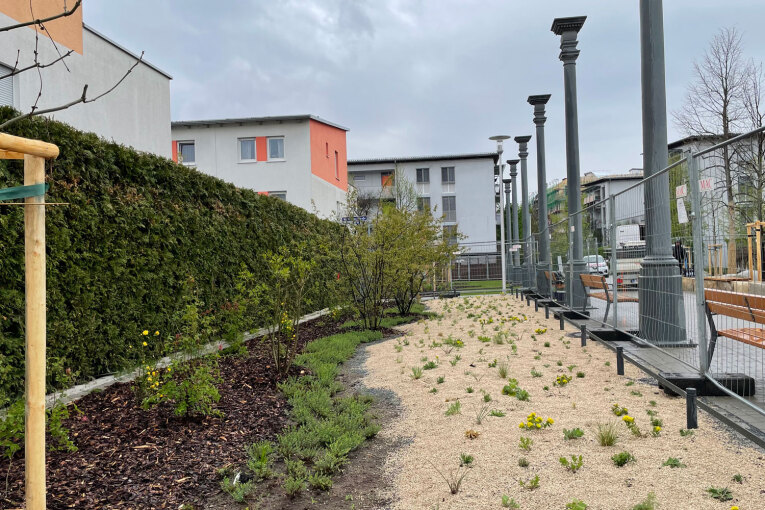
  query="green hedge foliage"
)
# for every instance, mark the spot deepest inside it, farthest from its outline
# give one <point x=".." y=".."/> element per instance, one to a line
<point x="136" y="228"/>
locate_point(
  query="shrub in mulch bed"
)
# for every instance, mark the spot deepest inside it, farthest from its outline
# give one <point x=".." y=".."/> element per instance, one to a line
<point x="132" y="458"/>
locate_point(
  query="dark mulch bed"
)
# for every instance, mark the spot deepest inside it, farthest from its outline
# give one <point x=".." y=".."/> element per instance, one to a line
<point x="131" y="458"/>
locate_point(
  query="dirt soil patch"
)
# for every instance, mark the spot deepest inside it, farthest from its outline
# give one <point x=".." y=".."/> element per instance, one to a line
<point x="132" y="458"/>
<point x="500" y="332"/>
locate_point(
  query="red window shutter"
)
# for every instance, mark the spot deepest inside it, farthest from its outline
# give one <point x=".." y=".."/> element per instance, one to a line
<point x="175" y="150"/>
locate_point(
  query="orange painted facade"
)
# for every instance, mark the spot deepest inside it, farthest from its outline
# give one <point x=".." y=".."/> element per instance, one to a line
<point x="66" y="31"/>
<point x="175" y="150"/>
<point x="329" y="158"/>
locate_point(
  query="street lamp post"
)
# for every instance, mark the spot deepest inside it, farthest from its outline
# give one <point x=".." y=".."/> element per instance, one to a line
<point x="544" y="257"/>
<point x="499" y="139"/>
<point x="528" y="261"/>
<point x="516" y="256"/>
<point x="568" y="28"/>
<point x="660" y="295"/>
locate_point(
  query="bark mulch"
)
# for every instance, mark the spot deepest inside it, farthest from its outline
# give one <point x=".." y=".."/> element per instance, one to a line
<point x="131" y="458"/>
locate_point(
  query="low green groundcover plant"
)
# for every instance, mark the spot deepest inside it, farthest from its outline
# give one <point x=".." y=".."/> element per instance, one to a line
<point x="326" y="427"/>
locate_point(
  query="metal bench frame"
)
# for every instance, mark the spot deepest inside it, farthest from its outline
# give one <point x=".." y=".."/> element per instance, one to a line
<point x="604" y="287"/>
<point x="747" y="307"/>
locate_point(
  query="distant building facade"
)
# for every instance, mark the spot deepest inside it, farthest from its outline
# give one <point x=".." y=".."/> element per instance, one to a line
<point x="136" y="113"/>
<point x="458" y="187"/>
<point x="595" y="195"/>
<point x="299" y="158"/>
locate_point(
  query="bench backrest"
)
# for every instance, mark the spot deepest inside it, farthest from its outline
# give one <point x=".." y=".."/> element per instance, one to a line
<point x="593" y="281"/>
<point x="748" y="307"/>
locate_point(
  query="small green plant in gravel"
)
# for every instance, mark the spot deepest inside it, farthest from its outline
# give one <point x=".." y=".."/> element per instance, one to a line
<point x="580" y="375"/>
<point x="720" y="493"/>
<point x="502" y="370"/>
<point x="738" y="478"/>
<point x="236" y="489"/>
<point x="535" y="422"/>
<point x="547" y="344"/>
<point x="530" y="484"/>
<point x="508" y="502"/>
<point x="455" y="360"/>
<point x="686" y="432"/>
<point x="260" y="459"/>
<point x="572" y="433"/>
<point x="486" y="397"/>
<point x="535" y="373"/>
<point x="454" y="408"/>
<point x="469" y="389"/>
<point x="607" y="434"/>
<point x="673" y="462"/>
<point x="440" y="379"/>
<point x="497" y="413"/>
<point x="576" y="504"/>
<point x="523" y="462"/>
<point x="573" y="465"/>
<point x="416" y="373"/>
<point x="466" y="460"/>
<point x="649" y="503"/>
<point x="454" y="478"/>
<point x="622" y="458"/>
<point x="562" y="380"/>
<point x="636" y="393"/>
<point x="629" y="421"/>
<point x="619" y="410"/>
<point x="481" y="414"/>
<point x="524" y="443"/>
<point x="430" y="365"/>
<point x="433" y="390"/>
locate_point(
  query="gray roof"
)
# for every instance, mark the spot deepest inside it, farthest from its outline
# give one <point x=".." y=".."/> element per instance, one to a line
<point x="255" y="120"/>
<point x="614" y="177"/>
<point x="120" y="47"/>
<point x="414" y="159"/>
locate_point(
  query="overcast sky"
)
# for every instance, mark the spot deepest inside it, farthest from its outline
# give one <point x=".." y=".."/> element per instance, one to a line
<point x="419" y="77"/>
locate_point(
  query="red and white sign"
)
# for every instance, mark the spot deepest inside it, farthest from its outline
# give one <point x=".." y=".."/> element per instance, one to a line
<point x="681" y="191"/>
<point x="705" y="184"/>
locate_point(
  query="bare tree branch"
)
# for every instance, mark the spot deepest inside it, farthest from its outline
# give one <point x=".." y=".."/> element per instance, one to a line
<point x="63" y="14"/>
<point x="33" y="66"/>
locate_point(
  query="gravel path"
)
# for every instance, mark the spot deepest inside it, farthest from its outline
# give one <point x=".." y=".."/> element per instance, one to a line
<point x="434" y="440"/>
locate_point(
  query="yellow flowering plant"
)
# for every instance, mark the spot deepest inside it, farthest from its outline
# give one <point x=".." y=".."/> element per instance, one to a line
<point x="535" y="422"/>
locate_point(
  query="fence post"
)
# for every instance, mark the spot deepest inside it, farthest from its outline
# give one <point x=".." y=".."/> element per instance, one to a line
<point x="614" y="267"/>
<point x="698" y="264"/>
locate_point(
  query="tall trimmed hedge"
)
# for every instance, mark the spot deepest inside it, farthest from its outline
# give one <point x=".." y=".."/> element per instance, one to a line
<point x="136" y="228"/>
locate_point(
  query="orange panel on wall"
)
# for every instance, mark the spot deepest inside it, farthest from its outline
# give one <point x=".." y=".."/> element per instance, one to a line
<point x="325" y="142"/>
<point x="66" y="30"/>
<point x="261" y="149"/>
<point x="175" y="150"/>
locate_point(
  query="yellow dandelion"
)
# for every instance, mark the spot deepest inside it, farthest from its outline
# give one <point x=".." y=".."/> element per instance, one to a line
<point x="657" y="428"/>
<point x="145" y="332"/>
<point x="145" y="344"/>
<point x="148" y="378"/>
<point x="550" y="421"/>
<point x="156" y="333"/>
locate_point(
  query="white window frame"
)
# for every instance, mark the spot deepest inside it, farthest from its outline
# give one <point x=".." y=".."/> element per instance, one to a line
<point x="448" y="186"/>
<point x="448" y="212"/>
<point x="254" y="153"/>
<point x="268" y="148"/>
<point x="180" y="155"/>
<point x="359" y="178"/>
<point x="275" y="193"/>
<point x="423" y="187"/>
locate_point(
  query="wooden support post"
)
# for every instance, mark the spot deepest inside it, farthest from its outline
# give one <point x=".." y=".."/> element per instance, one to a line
<point x="758" y="228"/>
<point x="34" y="248"/>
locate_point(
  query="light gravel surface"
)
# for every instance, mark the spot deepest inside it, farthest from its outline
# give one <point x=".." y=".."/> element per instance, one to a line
<point x="433" y="439"/>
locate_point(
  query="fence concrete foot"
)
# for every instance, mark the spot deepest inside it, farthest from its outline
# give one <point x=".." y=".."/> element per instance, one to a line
<point x="536" y="305"/>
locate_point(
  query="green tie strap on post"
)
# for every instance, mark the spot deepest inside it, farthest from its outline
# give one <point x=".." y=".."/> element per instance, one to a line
<point x="33" y="190"/>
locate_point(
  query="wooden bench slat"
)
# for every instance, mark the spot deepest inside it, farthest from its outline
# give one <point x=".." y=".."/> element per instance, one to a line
<point x="738" y="312"/>
<point x="751" y="336"/>
<point x="735" y="298"/>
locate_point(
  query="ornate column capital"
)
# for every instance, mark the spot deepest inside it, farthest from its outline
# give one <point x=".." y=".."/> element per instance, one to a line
<point x="523" y="146"/>
<point x="539" y="102"/>
<point x="568" y="28"/>
<point x="513" y="167"/>
<point x="507" y="185"/>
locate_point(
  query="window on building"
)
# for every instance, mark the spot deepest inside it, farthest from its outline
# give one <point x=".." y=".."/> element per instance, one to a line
<point x="447" y="179"/>
<point x="423" y="181"/>
<point x="186" y="153"/>
<point x="246" y="149"/>
<point x="423" y="203"/>
<point x="281" y="195"/>
<point x="337" y="166"/>
<point x="276" y="148"/>
<point x="359" y="178"/>
<point x="6" y="87"/>
<point x="450" y="208"/>
<point x="450" y="234"/>
<point x="386" y="179"/>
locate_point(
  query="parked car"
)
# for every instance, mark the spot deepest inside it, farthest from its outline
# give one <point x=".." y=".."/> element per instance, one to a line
<point x="629" y="256"/>
<point x="596" y="264"/>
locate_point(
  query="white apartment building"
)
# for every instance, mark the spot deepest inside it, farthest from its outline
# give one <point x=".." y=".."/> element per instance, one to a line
<point x="458" y="187"/>
<point x="136" y="113"/>
<point x="299" y="158"/>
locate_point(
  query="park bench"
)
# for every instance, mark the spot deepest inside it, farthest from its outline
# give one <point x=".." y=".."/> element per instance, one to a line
<point x="558" y="284"/>
<point x="598" y="283"/>
<point x="747" y="307"/>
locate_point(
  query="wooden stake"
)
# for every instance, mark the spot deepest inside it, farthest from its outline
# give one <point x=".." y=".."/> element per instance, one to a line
<point x="758" y="229"/>
<point x="34" y="246"/>
<point x="749" y="243"/>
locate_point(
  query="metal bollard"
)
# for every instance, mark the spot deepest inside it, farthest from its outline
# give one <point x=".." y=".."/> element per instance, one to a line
<point x="584" y="335"/>
<point x="620" y="361"/>
<point x="547" y="312"/>
<point x="691" y="411"/>
<point x="562" y="327"/>
<point x="528" y="300"/>
<point x="536" y="305"/>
